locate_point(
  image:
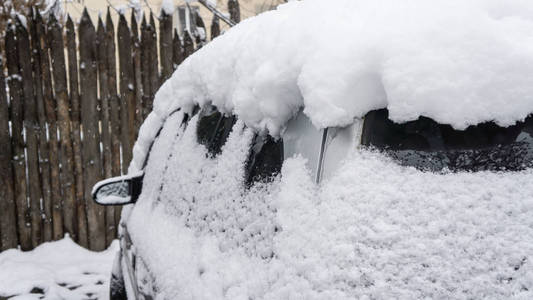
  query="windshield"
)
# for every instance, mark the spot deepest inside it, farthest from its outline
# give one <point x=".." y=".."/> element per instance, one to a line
<point x="427" y="145"/>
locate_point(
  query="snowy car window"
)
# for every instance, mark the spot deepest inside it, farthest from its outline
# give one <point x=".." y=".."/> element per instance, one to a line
<point x="266" y="159"/>
<point x="213" y="130"/>
<point x="428" y="145"/>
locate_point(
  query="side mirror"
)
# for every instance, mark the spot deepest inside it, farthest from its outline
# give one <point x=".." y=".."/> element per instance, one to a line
<point x="118" y="190"/>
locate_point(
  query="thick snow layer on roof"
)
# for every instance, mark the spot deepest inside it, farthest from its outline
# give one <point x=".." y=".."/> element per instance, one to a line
<point x="458" y="62"/>
<point x="374" y="230"/>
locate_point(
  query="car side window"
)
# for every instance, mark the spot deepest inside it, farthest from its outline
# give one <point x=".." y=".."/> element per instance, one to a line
<point x="213" y="130"/>
<point x="265" y="160"/>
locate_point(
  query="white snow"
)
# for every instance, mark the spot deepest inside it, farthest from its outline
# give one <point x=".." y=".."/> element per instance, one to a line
<point x="374" y="230"/>
<point x="167" y="6"/>
<point x="458" y="62"/>
<point x="61" y="269"/>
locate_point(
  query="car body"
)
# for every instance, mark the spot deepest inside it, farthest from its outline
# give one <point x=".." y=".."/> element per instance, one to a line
<point x="423" y="144"/>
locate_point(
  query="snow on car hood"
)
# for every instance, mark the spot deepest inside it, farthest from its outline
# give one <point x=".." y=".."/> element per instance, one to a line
<point x="375" y="229"/>
<point x="457" y="62"/>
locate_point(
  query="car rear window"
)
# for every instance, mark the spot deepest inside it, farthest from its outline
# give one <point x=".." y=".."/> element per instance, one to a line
<point x="428" y="145"/>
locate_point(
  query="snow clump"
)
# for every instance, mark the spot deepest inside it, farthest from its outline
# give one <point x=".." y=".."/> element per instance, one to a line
<point x="457" y="62"/>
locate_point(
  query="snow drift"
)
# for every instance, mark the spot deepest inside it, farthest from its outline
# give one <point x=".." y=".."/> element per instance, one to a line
<point x="458" y="62"/>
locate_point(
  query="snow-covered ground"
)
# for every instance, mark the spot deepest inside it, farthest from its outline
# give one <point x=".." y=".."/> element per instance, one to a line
<point x="56" y="270"/>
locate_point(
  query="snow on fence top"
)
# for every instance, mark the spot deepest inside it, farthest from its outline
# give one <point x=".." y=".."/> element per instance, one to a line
<point x="458" y="62"/>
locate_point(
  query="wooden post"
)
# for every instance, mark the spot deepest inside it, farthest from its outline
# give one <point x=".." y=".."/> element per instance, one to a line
<point x="81" y="218"/>
<point x="103" y="81"/>
<point x="114" y="104"/>
<point x="50" y="109"/>
<point x="44" y="153"/>
<point x="165" y="45"/>
<point x="63" y="120"/>
<point x="215" y="27"/>
<point x="8" y="221"/>
<point x="17" y="138"/>
<point x="32" y="132"/>
<point x="90" y="149"/>
<point x="177" y="50"/>
<point x="234" y="11"/>
<point x="126" y="91"/>
<point x="145" y="67"/>
<point x="137" y="74"/>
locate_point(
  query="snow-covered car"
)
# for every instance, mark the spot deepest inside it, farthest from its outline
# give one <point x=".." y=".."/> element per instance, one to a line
<point x="395" y="164"/>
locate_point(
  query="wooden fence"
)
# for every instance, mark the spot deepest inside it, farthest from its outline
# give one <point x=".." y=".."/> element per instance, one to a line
<point x="71" y="105"/>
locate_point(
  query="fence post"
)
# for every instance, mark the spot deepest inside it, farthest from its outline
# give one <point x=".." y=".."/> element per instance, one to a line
<point x="8" y="229"/>
<point x="44" y="153"/>
<point x="17" y="139"/>
<point x="215" y="27"/>
<point x="165" y="45"/>
<point x="50" y="110"/>
<point x="114" y="103"/>
<point x="81" y="213"/>
<point x="32" y="133"/>
<point x="103" y="81"/>
<point x="90" y="150"/>
<point x="66" y="175"/>
<point x="127" y="103"/>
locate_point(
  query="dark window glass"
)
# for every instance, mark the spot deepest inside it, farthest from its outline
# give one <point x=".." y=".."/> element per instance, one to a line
<point x="428" y="145"/>
<point x="213" y="130"/>
<point x="266" y="159"/>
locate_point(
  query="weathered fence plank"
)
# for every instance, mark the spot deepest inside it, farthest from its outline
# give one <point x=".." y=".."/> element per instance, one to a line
<point x="177" y="50"/>
<point x="234" y="11"/>
<point x="103" y="82"/>
<point x="81" y="214"/>
<point x="153" y="62"/>
<point x="201" y="33"/>
<point x="127" y="103"/>
<point x="68" y="187"/>
<point x="215" y="27"/>
<point x="165" y="45"/>
<point x="188" y="44"/>
<point x="17" y="139"/>
<point x="32" y="133"/>
<point x="50" y="110"/>
<point x="8" y="230"/>
<point x="44" y="153"/>
<point x="145" y="66"/>
<point x="136" y="47"/>
<point x="90" y="150"/>
<point x="114" y="104"/>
